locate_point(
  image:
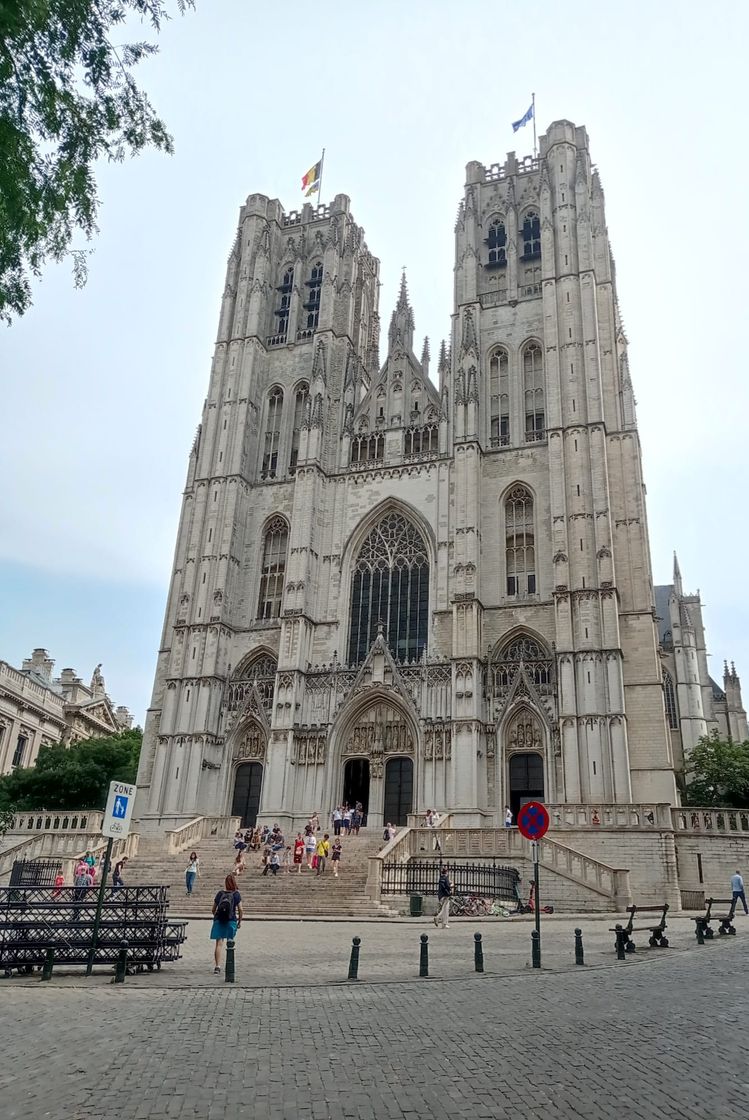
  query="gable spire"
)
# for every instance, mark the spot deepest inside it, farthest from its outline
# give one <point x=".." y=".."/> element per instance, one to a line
<point x="401" y="333"/>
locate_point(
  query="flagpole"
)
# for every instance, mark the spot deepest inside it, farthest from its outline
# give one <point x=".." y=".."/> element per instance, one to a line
<point x="535" y="148"/>
<point x="319" y="181"/>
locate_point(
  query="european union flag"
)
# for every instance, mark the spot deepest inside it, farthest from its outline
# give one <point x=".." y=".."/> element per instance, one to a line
<point x="524" y="119"/>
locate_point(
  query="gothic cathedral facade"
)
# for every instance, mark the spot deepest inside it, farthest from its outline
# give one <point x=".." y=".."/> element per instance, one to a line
<point x="415" y="592"/>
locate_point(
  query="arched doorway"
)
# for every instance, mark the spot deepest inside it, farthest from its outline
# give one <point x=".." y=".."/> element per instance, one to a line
<point x="356" y="782"/>
<point x="399" y="790"/>
<point x="248" y="783"/>
<point x="526" y="779"/>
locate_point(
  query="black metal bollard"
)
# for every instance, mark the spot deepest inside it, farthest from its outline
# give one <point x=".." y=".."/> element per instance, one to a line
<point x="478" y="953"/>
<point x="424" y="956"/>
<point x="120" y="968"/>
<point x="700" y="933"/>
<point x="353" y="968"/>
<point x="229" y="970"/>
<point x="621" y="942"/>
<point x="49" y="960"/>
<point x="535" y="949"/>
<point x="579" y="952"/>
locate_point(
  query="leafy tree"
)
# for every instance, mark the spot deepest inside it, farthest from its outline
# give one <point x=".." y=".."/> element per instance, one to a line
<point x="67" y="98"/>
<point x="717" y="773"/>
<point x="74" y="777"/>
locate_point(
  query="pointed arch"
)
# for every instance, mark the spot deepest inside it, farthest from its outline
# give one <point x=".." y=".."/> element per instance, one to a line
<point x="532" y="364"/>
<point x="496" y="242"/>
<point x="530" y="235"/>
<point x="669" y="699"/>
<point x="390" y="587"/>
<point x="518" y="510"/>
<point x="314" y="292"/>
<point x="301" y="401"/>
<point x="272" y="437"/>
<point x="283" y="305"/>
<point x="273" y="549"/>
<point x="499" y="397"/>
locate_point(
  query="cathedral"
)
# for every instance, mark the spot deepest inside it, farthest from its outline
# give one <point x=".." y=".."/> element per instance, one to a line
<point x="422" y="584"/>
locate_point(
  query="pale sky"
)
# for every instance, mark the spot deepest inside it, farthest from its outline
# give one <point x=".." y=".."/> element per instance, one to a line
<point x="102" y="389"/>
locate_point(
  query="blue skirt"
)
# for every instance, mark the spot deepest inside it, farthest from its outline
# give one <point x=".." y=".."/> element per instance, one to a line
<point x="222" y="931"/>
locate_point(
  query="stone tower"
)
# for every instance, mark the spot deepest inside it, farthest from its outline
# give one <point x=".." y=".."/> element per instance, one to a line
<point x="407" y="593"/>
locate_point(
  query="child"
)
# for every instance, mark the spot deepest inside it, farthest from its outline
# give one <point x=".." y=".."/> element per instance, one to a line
<point x="275" y="862"/>
<point x="336" y="857"/>
<point x="298" y="852"/>
<point x="287" y="858"/>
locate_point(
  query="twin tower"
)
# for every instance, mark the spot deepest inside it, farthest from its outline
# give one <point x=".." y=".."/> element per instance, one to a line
<point x="409" y="590"/>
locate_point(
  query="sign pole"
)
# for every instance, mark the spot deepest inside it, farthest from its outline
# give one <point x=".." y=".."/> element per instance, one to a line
<point x="99" y="904"/>
<point x="536" y="899"/>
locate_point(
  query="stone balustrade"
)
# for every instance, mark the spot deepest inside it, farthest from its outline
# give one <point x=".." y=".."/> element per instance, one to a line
<point x="570" y="815"/>
<point x="716" y="821"/>
<point x="56" y="820"/>
<point x="200" y="828"/>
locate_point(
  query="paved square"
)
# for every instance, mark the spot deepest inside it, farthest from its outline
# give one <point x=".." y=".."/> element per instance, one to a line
<point x="660" y="1036"/>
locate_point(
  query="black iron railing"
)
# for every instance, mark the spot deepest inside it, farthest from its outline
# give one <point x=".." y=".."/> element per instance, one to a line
<point x="34" y="872"/>
<point x="421" y="876"/>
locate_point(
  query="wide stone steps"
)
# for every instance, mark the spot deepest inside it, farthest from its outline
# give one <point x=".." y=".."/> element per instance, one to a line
<point x="284" y="895"/>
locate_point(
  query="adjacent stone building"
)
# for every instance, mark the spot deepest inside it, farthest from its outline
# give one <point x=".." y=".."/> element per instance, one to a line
<point x="408" y="590"/>
<point x="37" y="709"/>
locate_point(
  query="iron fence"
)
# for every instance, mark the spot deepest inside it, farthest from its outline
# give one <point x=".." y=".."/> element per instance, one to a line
<point x="421" y="876"/>
<point x="34" y="872"/>
<point x="35" y="919"/>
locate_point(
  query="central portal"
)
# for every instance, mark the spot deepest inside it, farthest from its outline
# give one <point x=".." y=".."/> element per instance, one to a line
<point x="356" y="783"/>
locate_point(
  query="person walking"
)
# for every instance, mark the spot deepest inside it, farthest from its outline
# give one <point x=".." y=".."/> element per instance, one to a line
<point x="739" y="894"/>
<point x="119" y="867"/>
<point x="310" y="843"/>
<point x="227" y="918"/>
<point x="444" y="894"/>
<point x="298" y="852"/>
<point x="335" y="857"/>
<point x="322" y="852"/>
<point x="239" y="865"/>
<point x="192" y="871"/>
<point x="337" y="818"/>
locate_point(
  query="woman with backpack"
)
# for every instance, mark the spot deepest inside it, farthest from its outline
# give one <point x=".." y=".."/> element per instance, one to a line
<point x="227" y="918"/>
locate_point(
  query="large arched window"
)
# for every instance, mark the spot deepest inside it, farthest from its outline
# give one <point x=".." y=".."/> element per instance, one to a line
<point x="520" y="549"/>
<point x="300" y="404"/>
<point x="273" y="568"/>
<point x="669" y="697"/>
<point x="390" y="587"/>
<point x="260" y="672"/>
<point x="499" y="404"/>
<point x="531" y="235"/>
<point x="533" y="393"/>
<point x="272" y="434"/>
<point x="312" y="306"/>
<point x="497" y="244"/>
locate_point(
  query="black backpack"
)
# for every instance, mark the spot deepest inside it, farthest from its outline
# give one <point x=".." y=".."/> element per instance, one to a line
<point x="225" y="907"/>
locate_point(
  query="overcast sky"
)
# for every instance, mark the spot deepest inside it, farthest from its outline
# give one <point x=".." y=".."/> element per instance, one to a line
<point x="102" y="388"/>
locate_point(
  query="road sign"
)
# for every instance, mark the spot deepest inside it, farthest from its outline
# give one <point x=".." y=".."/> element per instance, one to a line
<point x="119" y="810"/>
<point x="533" y="820"/>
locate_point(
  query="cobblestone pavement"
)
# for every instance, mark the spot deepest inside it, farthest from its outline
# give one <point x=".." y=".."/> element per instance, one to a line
<point x="663" y="1037"/>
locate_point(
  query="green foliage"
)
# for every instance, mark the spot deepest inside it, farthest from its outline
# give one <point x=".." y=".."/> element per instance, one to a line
<point x="717" y="773"/>
<point x="73" y="778"/>
<point x="67" y="98"/>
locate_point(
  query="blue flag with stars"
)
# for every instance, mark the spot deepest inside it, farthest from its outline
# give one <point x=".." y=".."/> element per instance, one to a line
<point x="524" y="119"/>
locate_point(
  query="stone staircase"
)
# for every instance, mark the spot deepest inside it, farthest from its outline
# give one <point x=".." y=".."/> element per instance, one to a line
<point x="293" y="895"/>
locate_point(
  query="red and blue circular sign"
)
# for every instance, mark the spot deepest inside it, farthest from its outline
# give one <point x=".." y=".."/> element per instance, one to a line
<point x="533" y="820"/>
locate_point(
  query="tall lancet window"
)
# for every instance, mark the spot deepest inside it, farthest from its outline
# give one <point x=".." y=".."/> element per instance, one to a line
<point x="390" y="587"/>
<point x="499" y="404"/>
<point x="300" y="403"/>
<point x="533" y="387"/>
<point x="284" y="307"/>
<point x="272" y="434"/>
<point x="497" y="244"/>
<point x="669" y="697"/>
<point x="273" y="568"/>
<point x="312" y="306"/>
<point x="531" y="236"/>
<point x="520" y="551"/>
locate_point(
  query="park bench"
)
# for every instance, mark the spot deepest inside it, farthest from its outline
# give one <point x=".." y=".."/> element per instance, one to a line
<point x="35" y="920"/>
<point x="702" y="923"/>
<point x="657" y="937"/>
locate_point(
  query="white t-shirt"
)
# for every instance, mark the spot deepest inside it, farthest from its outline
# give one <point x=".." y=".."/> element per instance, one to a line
<point x="310" y="843"/>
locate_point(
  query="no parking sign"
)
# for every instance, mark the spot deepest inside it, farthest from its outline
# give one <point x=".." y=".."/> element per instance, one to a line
<point x="533" y="820"/>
